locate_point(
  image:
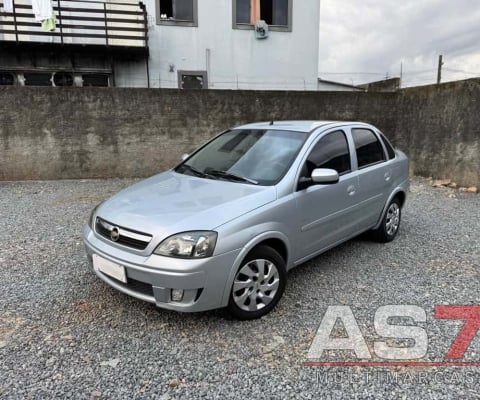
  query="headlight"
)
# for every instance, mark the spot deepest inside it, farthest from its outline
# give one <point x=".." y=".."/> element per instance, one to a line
<point x="198" y="244"/>
<point x="91" y="222"/>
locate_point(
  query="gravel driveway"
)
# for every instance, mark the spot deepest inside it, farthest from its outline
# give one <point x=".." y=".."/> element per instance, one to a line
<point x="65" y="333"/>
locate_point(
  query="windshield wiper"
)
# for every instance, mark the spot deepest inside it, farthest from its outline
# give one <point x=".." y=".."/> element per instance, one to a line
<point x="229" y="175"/>
<point x="194" y="170"/>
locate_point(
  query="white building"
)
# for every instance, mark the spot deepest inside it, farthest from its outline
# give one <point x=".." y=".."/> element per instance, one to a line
<point x="213" y="43"/>
<point x="196" y="43"/>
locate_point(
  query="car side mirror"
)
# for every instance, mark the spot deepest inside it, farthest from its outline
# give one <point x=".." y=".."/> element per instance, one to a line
<point x="324" y="175"/>
<point x="185" y="156"/>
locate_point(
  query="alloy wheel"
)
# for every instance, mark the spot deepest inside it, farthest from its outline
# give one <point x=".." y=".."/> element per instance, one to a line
<point x="393" y="219"/>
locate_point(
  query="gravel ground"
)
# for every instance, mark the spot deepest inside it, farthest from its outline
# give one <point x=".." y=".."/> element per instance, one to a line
<point x="64" y="333"/>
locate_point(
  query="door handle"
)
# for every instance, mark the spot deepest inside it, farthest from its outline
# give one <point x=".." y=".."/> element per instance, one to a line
<point x="387" y="175"/>
<point x="351" y="190"/>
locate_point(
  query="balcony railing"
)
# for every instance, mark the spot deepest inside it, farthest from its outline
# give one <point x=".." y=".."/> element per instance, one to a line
<point x="79" y="23"/>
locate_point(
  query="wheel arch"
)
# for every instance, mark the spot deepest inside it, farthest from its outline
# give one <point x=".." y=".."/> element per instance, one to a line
<point x="276" y="240"/>
<point x="398" y="192"/>
<point x="402" y="196"/>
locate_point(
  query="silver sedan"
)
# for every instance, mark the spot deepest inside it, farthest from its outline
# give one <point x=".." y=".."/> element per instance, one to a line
<point x="223" y="227"/>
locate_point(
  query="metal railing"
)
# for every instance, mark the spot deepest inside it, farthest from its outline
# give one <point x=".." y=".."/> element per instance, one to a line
<point x="78" y="22"/>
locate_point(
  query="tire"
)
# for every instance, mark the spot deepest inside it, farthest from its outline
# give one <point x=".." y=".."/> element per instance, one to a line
<point x="388" y="229"/>
<point x="253" y="294"/>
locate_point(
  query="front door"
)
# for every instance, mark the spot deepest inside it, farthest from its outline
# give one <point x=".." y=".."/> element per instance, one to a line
<point x="327" y="212"/>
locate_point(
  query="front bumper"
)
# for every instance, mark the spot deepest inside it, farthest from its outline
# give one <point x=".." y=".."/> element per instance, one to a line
<point x="204" y="281"/>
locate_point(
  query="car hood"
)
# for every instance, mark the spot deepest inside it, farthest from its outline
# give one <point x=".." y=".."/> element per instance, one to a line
<point x="171" y="202"/>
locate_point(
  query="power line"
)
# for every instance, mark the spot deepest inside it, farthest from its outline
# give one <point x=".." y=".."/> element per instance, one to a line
<point x="462" y="71"/>
<point x="424" y="71"/>
<point x="352" y="73"/>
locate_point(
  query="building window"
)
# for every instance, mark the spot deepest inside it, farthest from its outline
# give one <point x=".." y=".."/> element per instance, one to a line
<point x="177" y="12"/>
<point x="192" y="80"/>
<point x="6" y="79"/>
<point x="276" y="13"/>
<point x="38" y="79"/>
<point x="98" y="80"/>
<point x="62" y="79"/>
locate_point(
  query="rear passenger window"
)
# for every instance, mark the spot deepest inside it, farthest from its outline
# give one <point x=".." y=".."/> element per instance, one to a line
<point x="388" y="146"/>
<point x="368" y="147"/>
<point x="331" y="151"/>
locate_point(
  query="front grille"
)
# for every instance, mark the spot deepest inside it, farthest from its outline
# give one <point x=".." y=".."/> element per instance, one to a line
<point x="126" y="237"/>
<point x="136" y="286"/>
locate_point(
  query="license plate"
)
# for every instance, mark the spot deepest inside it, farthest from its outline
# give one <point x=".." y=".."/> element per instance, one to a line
<point x="109" y="268"/>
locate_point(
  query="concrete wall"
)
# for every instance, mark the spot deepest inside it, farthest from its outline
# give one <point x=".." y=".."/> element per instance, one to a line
<point x="51" y="133"/>
<point x="440" y="128"/>
<point x="235" y="58"/>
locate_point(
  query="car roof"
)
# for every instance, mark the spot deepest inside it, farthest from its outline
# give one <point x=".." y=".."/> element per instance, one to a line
<point x="298" y="126"/>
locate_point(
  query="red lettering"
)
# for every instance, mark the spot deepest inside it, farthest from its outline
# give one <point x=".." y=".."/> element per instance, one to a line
<point x="471" y="315"/>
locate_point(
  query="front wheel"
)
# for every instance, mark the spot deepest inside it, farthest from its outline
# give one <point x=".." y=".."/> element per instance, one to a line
<point x="258" y="284"/>
<point x="388" y="229"/>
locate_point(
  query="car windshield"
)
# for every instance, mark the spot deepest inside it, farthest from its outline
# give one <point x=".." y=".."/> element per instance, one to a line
<point x="255" y="156"/>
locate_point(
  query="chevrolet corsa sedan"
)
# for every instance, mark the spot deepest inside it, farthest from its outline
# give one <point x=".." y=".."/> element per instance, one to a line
<point x="223" y="227"/>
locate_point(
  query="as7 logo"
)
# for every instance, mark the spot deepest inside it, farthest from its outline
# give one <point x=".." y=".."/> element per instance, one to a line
<point x="471" y="315"/>
<point x="356" y="342"/>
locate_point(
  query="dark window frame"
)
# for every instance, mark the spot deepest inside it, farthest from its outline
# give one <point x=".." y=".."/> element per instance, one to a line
<point x="93" y="76"/>
<point x="387" y="146"/>
<point x="173" y="22"/>
<point x="346" y="143"/>
<point x="304" y="170"/>
<point x="33" y="76"/>
<point x="274" y="28"/>
<point x="63" y="74"/>
<point x="385" y="156"/>
<point x="12" y="75"/>
<point x="203" y="74"/>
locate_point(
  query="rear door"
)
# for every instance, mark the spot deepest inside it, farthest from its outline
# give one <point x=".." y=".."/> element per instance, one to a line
<point x="374" y="174"/>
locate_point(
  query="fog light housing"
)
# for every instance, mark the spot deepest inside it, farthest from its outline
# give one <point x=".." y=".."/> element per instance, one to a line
<point x="177" y="294"/>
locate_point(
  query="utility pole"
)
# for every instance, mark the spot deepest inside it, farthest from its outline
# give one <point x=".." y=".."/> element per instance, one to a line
<point x="439" y="72"/>
<point x="401" y="74"/>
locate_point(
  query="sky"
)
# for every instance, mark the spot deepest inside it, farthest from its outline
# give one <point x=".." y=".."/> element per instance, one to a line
<point x="367" y="40"/>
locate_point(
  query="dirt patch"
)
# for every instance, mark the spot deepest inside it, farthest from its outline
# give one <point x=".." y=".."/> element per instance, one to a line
<point x="8" y="326"/>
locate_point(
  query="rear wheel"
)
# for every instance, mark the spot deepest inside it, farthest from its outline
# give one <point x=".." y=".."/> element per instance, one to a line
<point x="388" y="229"/>
<point x="258" y="284"/>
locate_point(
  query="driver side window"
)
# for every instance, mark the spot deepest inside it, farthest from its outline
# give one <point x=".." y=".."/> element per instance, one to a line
<point x="332" y="152"/>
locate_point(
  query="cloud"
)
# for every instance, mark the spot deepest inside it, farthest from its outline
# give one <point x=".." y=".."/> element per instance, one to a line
<point x="362" y="41"/>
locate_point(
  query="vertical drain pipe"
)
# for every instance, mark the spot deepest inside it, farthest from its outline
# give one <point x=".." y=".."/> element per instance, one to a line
<point x="148" y="70"/>
<point x="147" y="54"/>
<point x="207" y="65"/>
